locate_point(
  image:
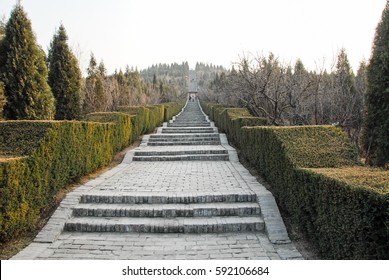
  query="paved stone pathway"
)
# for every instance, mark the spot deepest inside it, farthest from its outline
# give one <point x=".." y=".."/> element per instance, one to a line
<point x="182" y="194"/>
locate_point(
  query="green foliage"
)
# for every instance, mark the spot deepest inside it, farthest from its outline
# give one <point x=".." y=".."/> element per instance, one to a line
<point x="139" y="119"/>
<point x="316" y="146"/>
<point x="376" y="126"/>
<point x="343" y="220"/>
<point x="95" y="96"/>
<point x="123" y="131"/>
<point x="24" y="71"/>
<point x="231" y="120"/>
<point x="13" y="137"/>
<point x="145" y="119"/>
<point x="172" y="108"/>
<point x="343" y="211"/>
<point x="63" y="152"/>
<point x="2" y="99"/>
<point x="64" y="78"/>
<point x="38" y="158"/>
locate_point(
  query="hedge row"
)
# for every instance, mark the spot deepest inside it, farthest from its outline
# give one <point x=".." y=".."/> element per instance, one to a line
<point x="145" y="119"/>
<point x="123" y="132"/>
<point x="38" y="158"/>
<point x="230" y="120"/>
<point x="172" y="108"/>
<point x="314" y="172"/>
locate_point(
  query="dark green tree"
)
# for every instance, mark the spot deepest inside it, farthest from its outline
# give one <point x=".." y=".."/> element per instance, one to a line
<point x="24" y="71"/>
<point x="64" y="77"/>
<point x="2" y="99"/>
<point x="376" y="123"/>
<point x="347" y="105"/>
<point x="2" y="96"/>
<point x="95" y="87"/>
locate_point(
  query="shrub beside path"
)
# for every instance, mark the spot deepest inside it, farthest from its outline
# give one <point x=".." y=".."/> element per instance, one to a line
<point x="182" y="194"/>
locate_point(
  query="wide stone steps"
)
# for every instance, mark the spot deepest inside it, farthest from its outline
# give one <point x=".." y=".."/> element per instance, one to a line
<point x="174" y="198"/>
<point x="185" y="136"/>
<point x="195" y="116"/>
<point x="166" y="213"/>
<point x="205" y="154"/>
<point x="187" y="124"/>
<point x="172" y="130"/>
<point x="184" y="139"/>
<point x="172" y="212"/>
<point x="209" y="157"/>
<point x="179" y="137"/>
<point x="242" y="209"/>
<point x="166" y="225"/>
<point x="181" y="152"/>
<point x="183" y="143"/>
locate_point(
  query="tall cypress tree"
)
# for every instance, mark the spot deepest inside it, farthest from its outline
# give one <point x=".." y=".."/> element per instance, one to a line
<point x="64" y="77"/>
<point x="2" y="96"/>
<point x="376" y="126"/>
<point x="2" y="99"/>
<point x="24" y="71"/>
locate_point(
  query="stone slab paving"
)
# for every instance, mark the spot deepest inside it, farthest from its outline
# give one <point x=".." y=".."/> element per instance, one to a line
<point x="167" y="178"/>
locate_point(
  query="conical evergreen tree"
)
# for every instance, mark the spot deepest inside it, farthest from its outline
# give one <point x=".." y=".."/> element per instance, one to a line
<point x="24" y="71"/>
<point x="64" y="78"/>
<point x="2" y="99"/>
<point x="376" y="126"/>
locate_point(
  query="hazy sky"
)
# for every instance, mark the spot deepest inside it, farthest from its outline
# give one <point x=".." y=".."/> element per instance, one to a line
<point x="140" y="33"/>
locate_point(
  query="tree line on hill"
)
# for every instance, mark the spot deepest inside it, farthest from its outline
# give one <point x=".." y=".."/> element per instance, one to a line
<point x="291" y="95"/>
<point x="34" y="86"/>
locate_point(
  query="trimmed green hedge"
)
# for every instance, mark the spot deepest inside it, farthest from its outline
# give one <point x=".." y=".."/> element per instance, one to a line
<point x="172" y="108"/>
<point x="64" y="151"/>
<point x="38" y="158"/>
<point x="123" y="131"/>
<point x="342" y="218"/>
<point x="231" y="120"/>
<point x="139" y="119"/>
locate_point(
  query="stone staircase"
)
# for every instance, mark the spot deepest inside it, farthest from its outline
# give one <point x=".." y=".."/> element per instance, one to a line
<point x="166" y="214"/>
<point x="190" y="136"/>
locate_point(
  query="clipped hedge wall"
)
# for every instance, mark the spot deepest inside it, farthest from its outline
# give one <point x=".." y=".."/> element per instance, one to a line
<point x="343" y="208"/>
<point x="64" y="151"/>
<point x="172" y="108"/>
<point x="123" y="131"/>
<point x="38" y="158"/>
<point x="140" y="118"/>
<point x="231" y="120"/>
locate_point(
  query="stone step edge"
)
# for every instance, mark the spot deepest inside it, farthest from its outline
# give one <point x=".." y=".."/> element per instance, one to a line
<point x="179" y="153"/>
<point x="182" y="152"/>
<point x="167" y="210"/>
<point x="164" y="132"/>
<point x="163" y="199"/>
<point x="178" y="135"/>
<point x="182" y="158"/>
<point x="186" y="143"/>
<point x="184" y="139"/>
<point x="166" y="225"/>
<point x="188" y="128"/>
<point x="188" y="125"/>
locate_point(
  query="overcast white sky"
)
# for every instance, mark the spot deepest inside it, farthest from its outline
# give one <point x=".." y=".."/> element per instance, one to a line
<point x="140" y="33"/>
